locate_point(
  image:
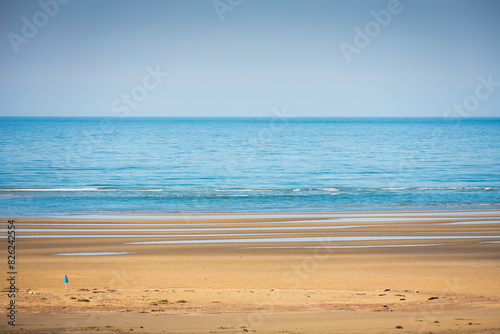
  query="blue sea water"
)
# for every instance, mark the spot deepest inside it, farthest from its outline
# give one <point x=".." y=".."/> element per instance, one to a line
<point x="74" y="166"/>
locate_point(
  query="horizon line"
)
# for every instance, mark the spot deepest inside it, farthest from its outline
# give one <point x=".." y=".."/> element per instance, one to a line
<point x="254" y="117"/>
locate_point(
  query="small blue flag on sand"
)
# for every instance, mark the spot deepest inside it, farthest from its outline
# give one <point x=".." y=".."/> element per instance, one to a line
<point x="66" y="282"/>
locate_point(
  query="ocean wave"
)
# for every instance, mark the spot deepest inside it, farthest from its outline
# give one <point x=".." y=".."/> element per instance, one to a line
<point x="431" y="188"/>
<point x="49" y="189"/>
<point x="459" y="188"/>
<point x="74" y="189"/>
<point x="231" y="195"/>
<point x="234" y="190"/>
<point x="278" y="191"/>
<point x="323" y="189"/>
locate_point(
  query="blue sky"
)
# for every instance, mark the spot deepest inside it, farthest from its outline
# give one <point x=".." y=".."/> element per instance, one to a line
<point x="247" y="57"/>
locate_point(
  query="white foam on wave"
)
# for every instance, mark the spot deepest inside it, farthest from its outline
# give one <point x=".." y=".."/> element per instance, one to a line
<point x="457" y="188"/>
<point x="323" y="189"/>
<point x="74" y="189"/>
<point x="231" y="195"/>
<point x="51" y="189"/>
<point x="234" y="190"/>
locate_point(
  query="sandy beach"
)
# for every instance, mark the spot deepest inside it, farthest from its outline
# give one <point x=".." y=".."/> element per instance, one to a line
<point x="383" y="272"/>
<point x="269" y="167"/>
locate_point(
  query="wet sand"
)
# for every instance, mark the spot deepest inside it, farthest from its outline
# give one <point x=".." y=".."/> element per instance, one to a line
<point x="357" y="273"/>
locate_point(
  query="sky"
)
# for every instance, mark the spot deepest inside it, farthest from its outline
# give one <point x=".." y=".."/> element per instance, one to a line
<point x="249" y="58"/>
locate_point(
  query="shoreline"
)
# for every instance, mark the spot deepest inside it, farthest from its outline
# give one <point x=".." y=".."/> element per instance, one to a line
<point x="367" y="286"/>
<point x="163" y="215"/>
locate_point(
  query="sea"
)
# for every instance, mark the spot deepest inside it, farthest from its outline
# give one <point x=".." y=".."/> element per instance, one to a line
<point x="64" y="167"/>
